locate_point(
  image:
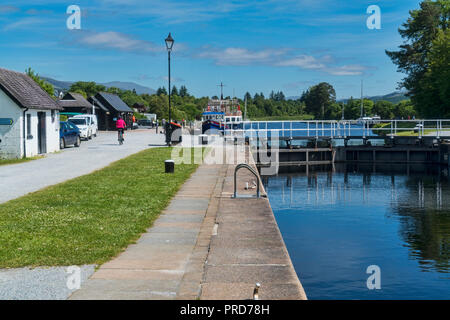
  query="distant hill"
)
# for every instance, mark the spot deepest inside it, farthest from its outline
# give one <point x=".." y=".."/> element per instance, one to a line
<point x="393" y="97"/>
<point x="130" y="86"/>
<point x="59" y="85"/>
<point x="65" y="85"/>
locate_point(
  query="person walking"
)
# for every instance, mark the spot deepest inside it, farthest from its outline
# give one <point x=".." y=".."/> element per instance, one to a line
<point x="134" y="121"/>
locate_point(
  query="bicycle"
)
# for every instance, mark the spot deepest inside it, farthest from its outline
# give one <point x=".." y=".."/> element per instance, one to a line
<point x="120" y="136"/>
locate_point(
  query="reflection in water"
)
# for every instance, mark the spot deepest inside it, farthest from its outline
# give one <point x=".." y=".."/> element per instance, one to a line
<point x="414" y="206"/>
<point x="425" y="223"/>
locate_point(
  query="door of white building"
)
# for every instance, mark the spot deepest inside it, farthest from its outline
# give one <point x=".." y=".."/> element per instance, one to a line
<point x="42" y="133"/>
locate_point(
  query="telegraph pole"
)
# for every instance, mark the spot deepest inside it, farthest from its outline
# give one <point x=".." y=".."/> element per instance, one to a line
<point x="245" y="108"/>
<point x="221" y="85"/>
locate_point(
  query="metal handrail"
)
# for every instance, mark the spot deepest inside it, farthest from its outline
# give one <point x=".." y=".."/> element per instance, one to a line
<point x="338" y="128"/>
<point x="244" y="165"/>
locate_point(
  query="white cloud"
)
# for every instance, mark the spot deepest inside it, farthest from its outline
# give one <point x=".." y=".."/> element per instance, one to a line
<point x="347" y="70"/>
<point x="26" y="22"/>
<point x="241" y="56"/>
<point x="278" y="58"/>
<point x="302" y="61"/>
<point x="117" y="41"/>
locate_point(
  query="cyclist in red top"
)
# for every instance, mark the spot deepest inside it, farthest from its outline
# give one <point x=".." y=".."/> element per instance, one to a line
<point x="120" y="126"/>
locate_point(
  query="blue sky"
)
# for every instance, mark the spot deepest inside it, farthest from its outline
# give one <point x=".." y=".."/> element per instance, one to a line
<point x="256" y="45"/>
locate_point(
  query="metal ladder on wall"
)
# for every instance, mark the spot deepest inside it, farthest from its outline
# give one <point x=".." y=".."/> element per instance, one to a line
<point x="246" y="166"/>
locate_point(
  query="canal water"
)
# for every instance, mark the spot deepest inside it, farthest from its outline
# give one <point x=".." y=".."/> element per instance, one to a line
<point x="337" y="221"/>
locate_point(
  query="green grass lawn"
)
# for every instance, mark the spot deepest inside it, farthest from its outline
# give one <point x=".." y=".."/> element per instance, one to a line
<point x="403" y="129"/>
<point x="90" y="219"/>
<point x="416" y="134"/>
<point x="14" y="161"/>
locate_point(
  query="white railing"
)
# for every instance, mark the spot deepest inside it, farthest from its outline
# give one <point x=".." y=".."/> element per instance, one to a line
<point x="342" y="129"/>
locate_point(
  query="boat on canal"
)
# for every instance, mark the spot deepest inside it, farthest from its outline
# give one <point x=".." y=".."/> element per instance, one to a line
<point x="221" y="114"/>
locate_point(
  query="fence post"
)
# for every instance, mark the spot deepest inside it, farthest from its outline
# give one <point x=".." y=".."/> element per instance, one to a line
<point x="438" y="127"/>
<point x="423" y="128"/>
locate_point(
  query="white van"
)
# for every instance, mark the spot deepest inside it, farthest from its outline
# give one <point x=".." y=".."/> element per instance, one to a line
<point x="91" y="122"/>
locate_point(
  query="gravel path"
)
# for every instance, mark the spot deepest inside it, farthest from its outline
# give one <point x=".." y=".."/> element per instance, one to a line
<point x="39" y="283"/>
<point x="19" y="179"/>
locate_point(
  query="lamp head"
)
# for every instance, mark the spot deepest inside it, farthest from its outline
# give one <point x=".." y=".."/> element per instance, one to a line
<point x="169" y="42"/>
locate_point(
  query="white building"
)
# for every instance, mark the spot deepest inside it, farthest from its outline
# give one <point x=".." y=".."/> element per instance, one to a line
<point x="29" y="117"/>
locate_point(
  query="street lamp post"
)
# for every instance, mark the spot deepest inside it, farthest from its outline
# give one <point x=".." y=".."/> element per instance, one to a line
<point x="169" y="44"/>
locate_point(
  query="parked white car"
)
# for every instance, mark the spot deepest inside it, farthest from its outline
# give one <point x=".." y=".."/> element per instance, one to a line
<point x="83" y="125"/>
<point x="92" y="122"/>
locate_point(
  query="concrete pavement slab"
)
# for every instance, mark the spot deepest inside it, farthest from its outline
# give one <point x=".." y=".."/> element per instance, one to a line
<point x="180" y="204"/>
<point x="181" y="218"/>
<point x="136" y="274"/>
<point x="127" y="289"/>
<point x="250" y="273"/>
<point x="244" y="291"/>
<point x="169" y="238"/>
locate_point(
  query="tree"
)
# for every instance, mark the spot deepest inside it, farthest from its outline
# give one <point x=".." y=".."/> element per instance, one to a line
<point x="89" y="88"/>
<point x="191" y="110"/>
<point x="161" y="91"/>
<point x="79" y="91"/>
<point x="318" y="99"/>
<point x="131" y="98"/>
<point x="353" y="108"/>
<point x="432" y="98"/>
<point x="420" y="31"/>
<point x="272" y="95"/>
<point x="174" y="91"/>
<point x="183" y="92"/>
<point x="384" y="109"/>
<point x="114" y="90"/>
<point x="47" y="87"/>
<point x="404" y="110"/>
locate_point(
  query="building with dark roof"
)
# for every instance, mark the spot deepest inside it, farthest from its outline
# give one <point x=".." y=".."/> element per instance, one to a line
<point x="29" y="117"/>
<point x="73" y="102"/>
<point x="110" y="107"/>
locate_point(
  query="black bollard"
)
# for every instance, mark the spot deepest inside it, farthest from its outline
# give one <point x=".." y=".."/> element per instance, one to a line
<point x="170" y="166"/>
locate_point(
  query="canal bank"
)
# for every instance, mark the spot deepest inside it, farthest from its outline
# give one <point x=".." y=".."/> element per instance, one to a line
<point x="205" y="245"/>
<point x="246" y="245"/>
